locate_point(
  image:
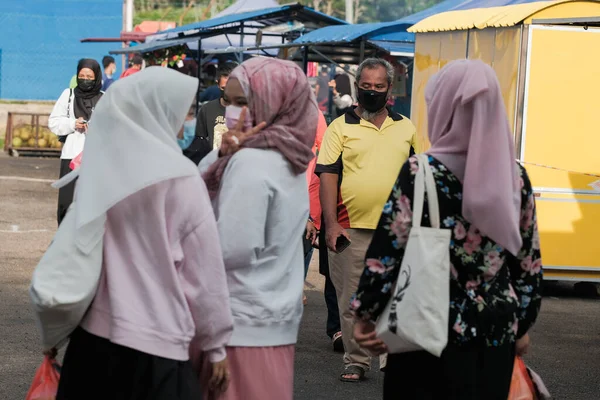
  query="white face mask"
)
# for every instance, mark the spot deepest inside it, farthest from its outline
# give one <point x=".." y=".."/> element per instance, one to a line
<point x="232" y="116"/>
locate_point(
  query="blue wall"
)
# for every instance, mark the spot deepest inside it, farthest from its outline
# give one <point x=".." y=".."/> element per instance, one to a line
<point x="40" y="43"/>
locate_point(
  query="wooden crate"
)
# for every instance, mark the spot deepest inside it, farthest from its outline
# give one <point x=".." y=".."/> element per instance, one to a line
<point x="32" y="134"/>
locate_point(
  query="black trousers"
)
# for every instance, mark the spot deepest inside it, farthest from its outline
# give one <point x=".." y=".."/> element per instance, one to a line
<point x="96" y="369"/>
<point x="333" y="312"/>
<point x="65" y="194"/>
<point x="474" y="372"/>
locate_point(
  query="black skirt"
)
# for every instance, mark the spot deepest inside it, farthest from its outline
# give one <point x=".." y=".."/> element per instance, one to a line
<point x="472" y="372"/>
<point x="96" y="369"/>
<point x="65" y="194"/>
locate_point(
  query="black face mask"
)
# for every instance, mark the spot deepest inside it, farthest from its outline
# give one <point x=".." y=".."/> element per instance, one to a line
<point x="86" y="84"/>
<point x="372" y="100"/>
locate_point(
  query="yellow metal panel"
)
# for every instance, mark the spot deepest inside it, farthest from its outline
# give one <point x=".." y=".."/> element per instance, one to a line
<point x="480" y="18"/>
<point x="562" y="113"/>
<point x="432" y="52"/>
<point x="568" y="227"/>
<point x="560" y="130"/>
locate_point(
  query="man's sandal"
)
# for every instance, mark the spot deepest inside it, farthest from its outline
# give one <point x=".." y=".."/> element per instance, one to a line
<point x="353" y="370"/>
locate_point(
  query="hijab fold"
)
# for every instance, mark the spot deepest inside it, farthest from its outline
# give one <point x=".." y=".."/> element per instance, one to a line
<point x="470" y="134"/>
<point x="131" y="145"/>
<point x="279" y="94"/>
<point x="85" y="101"/>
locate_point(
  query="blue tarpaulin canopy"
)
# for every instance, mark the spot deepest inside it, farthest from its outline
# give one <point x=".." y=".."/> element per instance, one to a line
<point x="397" y="49"/>
<point x="349" y="33"/>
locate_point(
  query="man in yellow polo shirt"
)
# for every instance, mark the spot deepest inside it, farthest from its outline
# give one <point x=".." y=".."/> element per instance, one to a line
<point x="361" y="155"/>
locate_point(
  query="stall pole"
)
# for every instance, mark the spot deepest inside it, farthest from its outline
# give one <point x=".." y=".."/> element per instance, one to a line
<point x="305" y="59"/>
<point x="199" y="73"/>
<point x="330" y="100"/>
<point x="468" y="43"/>
<point x="241" y="54"/>
<point x="362" y="50"/>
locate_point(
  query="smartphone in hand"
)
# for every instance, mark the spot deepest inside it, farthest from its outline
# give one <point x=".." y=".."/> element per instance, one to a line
<point x="341" y="244"/>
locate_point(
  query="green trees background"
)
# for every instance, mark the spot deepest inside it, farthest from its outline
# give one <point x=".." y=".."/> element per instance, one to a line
<point x="186" y="11"/>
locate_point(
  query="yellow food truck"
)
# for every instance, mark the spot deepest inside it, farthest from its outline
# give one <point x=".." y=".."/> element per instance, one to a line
<point x="547" y="58"/>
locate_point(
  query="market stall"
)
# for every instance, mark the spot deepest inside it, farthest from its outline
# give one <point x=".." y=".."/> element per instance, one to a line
<point x="546" y="58"/>
<point x="28" y="134"/>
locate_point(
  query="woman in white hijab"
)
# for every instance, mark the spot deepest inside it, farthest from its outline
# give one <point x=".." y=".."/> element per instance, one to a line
<point x="163" y="280"/>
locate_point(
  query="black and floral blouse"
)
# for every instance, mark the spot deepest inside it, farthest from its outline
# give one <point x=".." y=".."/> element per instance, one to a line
<point x="494" y="296"/>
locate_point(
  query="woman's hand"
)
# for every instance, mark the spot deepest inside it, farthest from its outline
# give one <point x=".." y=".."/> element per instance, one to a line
<point x="51" y="353"/>
<point x="219" y="380"/>
<point x="366" y="337"/>
<point x="80" y="125"/>
<point x="233" y="139"/>
<point x="522" y="345"/>
<point x="311" y="232"/>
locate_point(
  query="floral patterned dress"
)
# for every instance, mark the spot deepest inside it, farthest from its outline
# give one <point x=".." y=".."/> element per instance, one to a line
<point x="494" y="296"/>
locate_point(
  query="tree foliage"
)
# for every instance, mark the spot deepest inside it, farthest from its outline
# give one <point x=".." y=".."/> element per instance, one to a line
<point x="373" y="10"/>
<point x="364" y="10"/>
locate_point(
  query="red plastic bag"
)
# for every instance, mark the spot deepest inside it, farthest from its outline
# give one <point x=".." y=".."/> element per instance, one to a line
<point x="76" y="162"/>
<point x="45" y="382"/>
<point x="521" y="385"/>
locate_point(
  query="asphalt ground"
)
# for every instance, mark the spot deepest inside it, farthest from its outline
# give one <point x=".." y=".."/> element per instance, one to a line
<point x="565" y="340"/>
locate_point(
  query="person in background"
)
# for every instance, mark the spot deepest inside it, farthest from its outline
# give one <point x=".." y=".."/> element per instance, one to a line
<point x="211" y="120"/>
<point x="188" y="131"/>
<point x="495" y="259"/>
<point x="360" y="157"/>
<point x="163" y="281"/>
<point x="321" y="89"/>
<point x="261" y="204"/>
<point x="136" y="66"/>
<point x="215" y="92"/>
<point x="333" y="327"/>
<point x="315" y="234"/>
<point x="69" y="121"/>
<point x="110" y="68"/>
<point x="342" y="94"/>
<point x="312" y="226"/>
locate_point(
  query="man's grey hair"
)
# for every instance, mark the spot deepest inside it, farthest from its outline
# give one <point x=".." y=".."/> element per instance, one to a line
<point x="371" y="63"/>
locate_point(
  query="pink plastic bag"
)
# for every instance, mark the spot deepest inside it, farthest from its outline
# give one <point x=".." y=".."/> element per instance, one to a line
<point x="76" y="162"/>
<point x="45" y="382"/>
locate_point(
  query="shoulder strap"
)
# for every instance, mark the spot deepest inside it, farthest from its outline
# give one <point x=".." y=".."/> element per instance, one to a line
<point x="419" y="194"/>
<point x="432" y="197"/>
<point x="425" y="183"/>
<point x="69" y="103"/>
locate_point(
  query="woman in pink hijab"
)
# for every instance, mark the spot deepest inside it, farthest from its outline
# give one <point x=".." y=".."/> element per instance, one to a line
<point x="486" y="199"/>
<point x="257" y="181"/>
